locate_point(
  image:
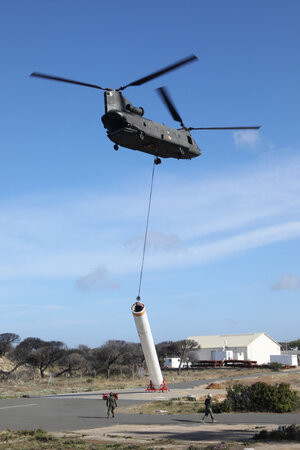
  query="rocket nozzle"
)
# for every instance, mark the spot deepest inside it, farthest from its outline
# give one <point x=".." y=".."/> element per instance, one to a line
<point x="138" y="308"/>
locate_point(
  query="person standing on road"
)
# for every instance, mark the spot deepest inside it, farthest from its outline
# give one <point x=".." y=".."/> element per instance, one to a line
<point x="111" y="404"/>
<point x="208" y="409"/>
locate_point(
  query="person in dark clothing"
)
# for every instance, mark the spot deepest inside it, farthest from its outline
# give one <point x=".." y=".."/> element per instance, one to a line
<point x="208" y="409"/>
<point x="111" y="404"/>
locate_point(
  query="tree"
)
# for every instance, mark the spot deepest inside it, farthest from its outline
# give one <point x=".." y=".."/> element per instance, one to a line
<point x="70" y="362"/>
<point x="46" y="355"/>
<point x="163" y="350"/>
<point x="181" y="348"/>
<point x="289" y="345"/>
<point x="6" y="341"/>
<point x="108" y="354"/>
<point x="132" y="357"/>
<point x="21" y="352"/>
<point x="37" y="353"/>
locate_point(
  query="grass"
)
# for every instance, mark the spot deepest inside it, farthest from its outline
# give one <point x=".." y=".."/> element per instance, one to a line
<point x="40" y="439"/>
<point x="172" y="406"/>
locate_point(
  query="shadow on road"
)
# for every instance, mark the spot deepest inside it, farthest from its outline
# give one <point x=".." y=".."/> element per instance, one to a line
<point x="186" y="420"/>
<point x="92" y="417"/>
<point x="223" y="435"/>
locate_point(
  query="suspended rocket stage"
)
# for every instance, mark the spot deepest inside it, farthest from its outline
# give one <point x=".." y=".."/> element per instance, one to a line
<point x="145" y="335"/>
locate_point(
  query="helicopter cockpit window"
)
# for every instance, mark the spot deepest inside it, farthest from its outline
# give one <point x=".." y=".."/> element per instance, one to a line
<point x="189" y="140"/>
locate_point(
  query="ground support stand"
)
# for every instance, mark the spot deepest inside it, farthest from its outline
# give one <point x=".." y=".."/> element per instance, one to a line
<point x="151" y="388"/>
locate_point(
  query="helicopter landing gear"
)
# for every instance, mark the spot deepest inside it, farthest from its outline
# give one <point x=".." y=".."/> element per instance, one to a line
<point x="116" y="147"/>
<point x="157" y="161"/>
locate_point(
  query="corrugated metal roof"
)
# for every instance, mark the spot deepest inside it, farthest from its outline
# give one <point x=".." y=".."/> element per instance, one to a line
<point x="230" y="340"/>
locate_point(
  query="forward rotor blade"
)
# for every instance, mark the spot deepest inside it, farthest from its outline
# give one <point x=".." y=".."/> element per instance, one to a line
<point x="65" y="80"/>
<point x="225" y="128"/>
<point x="170" y="105"/>
<point x="160" y="72"/>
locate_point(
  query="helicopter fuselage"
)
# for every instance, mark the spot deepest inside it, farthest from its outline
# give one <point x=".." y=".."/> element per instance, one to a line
<point x="127" y="127"/>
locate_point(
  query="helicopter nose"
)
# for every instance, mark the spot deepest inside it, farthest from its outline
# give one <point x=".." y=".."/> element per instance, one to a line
<point x="197" y="151"/>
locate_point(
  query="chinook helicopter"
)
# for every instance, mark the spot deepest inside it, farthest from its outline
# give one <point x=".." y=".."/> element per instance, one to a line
<point x="126" y="125"/>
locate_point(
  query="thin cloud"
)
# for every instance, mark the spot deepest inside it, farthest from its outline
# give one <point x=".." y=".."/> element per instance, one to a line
<point x="246" y="138"/>
<point x="219" y="249"/>
<point x="196" y="220"/>
<point x="55" y="307"/>
<point x="156" y="240"/>
<point x="97" y="280"/>
<point x="288" y="283"/>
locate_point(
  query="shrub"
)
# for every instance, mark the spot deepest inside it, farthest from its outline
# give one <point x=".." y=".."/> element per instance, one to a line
<point x="259" y="396"/>
<point x="288" y="433"/>
<point x="224" y="406"/>
<point x="275" y="366"/>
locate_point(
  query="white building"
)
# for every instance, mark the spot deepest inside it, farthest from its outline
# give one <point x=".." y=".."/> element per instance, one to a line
<point x="171" y="363"/>
<point x="252" y="347"/>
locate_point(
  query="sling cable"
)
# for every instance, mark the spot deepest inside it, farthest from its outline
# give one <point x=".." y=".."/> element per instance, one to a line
<point x="146" y="233"/>
<point x="157" y="383"/>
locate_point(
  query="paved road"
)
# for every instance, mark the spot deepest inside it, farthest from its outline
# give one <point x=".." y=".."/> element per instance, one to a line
<point x="63" y="413"/>
<point x="88" y="411"/>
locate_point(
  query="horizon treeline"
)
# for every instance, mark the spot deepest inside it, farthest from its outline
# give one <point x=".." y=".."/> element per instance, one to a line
<point x="55" y="356"/>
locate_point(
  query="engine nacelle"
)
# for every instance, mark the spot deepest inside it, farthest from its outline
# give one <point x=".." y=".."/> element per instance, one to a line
<point x="135" y="110"/>
<point x="114" y="120"/>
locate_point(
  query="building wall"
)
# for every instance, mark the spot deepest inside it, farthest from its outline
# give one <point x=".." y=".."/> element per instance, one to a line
<point x="203" y="354"/>
<point x="261" y="348"/>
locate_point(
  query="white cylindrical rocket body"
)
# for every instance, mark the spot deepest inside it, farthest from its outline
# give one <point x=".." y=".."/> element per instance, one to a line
<point x="145" y="335"/>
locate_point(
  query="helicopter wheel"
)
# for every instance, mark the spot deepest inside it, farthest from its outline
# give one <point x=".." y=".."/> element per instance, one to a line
<point x="157" y="161"/>
<point x="116" y="147"/>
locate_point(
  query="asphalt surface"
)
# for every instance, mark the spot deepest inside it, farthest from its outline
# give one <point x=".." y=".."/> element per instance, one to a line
<point x="88" y="411"/>
<point x="79" y="411"/>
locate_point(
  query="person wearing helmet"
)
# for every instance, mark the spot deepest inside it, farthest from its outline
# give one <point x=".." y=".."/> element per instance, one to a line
<point x="208" y="409"/>
<point x="111" y="404"/>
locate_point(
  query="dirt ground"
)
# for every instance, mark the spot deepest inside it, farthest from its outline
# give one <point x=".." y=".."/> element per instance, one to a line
<point x="26" y="381"/>
<point x="181" y="438"/>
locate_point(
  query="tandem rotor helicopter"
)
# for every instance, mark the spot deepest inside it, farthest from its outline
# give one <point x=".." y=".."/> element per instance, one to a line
<point x="126" y="125"/>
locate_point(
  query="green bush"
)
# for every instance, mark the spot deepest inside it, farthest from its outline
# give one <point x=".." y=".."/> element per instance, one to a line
<point x="276" y="367"/>
<point x="259" y="396"/>
<point x="224" y="406"/>
<point x="288" y="433"/>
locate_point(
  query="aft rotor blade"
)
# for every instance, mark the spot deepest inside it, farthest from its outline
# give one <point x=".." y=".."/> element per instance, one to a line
<point x="170" y="105"/>
<point x="225" y="128"/>
<point x="65" y="80"/>
<point x="160" y="72"/>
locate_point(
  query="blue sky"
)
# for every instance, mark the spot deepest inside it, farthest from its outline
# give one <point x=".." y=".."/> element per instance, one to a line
<point x="223" y="253"/>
